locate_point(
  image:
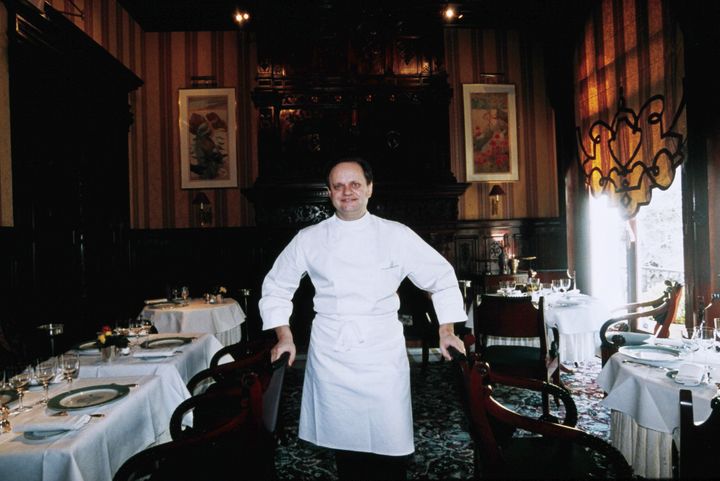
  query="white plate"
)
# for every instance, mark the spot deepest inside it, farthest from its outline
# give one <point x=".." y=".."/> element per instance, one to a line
<point x="88" y="396"/>
<point x="43" y="436"/>
<point x="651" y="354"/>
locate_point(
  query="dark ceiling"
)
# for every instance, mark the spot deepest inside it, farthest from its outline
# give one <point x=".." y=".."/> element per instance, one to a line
<point x="198" y="15"/>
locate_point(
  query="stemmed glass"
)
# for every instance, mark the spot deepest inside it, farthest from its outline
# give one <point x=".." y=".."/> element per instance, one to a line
<point x="565" y="285"/>
<point x="20" y="382"/>
<point x="45" y="372"/>
<point x="184" y="293"/>
<point x="571" y="276"/>
<point x="70" y="363"/>
<point x="704" y="338"/>
<point x="557" y="285"/>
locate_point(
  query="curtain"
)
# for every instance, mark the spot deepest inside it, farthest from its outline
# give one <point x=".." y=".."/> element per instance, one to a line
<point x="629" y="110"/>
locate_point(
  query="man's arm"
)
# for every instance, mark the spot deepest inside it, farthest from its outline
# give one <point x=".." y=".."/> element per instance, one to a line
<point x="448" y="338"/>
<point x="285" y="344"/>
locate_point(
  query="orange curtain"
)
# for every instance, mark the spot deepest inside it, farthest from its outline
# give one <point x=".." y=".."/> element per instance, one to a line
<point x="629" y="110"/>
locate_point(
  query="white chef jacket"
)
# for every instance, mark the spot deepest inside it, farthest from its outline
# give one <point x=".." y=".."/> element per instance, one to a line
<point x="356" y="392"/>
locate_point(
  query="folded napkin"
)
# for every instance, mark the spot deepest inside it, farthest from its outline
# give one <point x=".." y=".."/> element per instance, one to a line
<point x="690" y="374"/>
<point x="55" y="423"/>
<point x="154" y="353"/>
<point x="149" y="302"/>
<point x="574" y="292"/>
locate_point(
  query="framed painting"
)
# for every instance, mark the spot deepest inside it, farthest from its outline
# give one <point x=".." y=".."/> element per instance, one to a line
<point x="491" y="153"/>
<point x="208" y="131"/>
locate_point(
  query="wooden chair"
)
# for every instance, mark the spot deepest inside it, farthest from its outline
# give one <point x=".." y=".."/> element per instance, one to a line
<point x="517" y="317"/>
<point x="229" y="376"/>
<point x="625" y="329"/>
<point x="561" y="451"/>
<point x="231" y="449"/>
<point x="699" y="443"/>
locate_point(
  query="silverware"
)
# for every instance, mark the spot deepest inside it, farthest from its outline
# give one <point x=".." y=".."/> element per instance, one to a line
<point x="65" y="413"/>
<point x="628" y="361"/>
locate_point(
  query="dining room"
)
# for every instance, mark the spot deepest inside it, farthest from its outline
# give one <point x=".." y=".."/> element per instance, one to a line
<point x="160" y="156"/>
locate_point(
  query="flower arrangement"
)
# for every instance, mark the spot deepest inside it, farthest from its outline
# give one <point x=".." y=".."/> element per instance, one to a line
<point x="106" y="338"/>
<point x="220" y="290"/>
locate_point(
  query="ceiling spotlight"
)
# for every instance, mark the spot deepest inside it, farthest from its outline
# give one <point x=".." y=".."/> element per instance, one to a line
<point x="449" y="12"/>
<point x="241" y="17"/>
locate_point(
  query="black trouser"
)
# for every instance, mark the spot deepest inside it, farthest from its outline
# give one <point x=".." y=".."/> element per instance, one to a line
<point x="353" y="465"/>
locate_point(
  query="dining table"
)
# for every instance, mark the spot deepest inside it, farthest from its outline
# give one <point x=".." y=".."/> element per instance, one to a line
<point x="114" y="417"/>
<point x="168" y="355"/>
<point x="578" y="318"/>
<point x="221" y="319"/>
<point x="644" y="400"/>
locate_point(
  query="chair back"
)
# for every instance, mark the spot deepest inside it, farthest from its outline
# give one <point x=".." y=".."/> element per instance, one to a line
<point x="699" y="443"/>
<point x="673" y="294"/>
<point x="574" y="453"/>
<point x="509" y="317"/>
<point x="214" y="453"/>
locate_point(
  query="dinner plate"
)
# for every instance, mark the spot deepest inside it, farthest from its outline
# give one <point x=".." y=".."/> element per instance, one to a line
<point x="42" y="436"/>
<point x="88" y="396"/>
<point x="651" y="354"/>
<point x="165" y="342"/>
<point x="87" y="348"/>
<point x="7" y="396"/>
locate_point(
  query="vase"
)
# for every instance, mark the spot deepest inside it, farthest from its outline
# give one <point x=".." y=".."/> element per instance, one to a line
<point x="107" y="354"/>
<point x="219" y="298"/>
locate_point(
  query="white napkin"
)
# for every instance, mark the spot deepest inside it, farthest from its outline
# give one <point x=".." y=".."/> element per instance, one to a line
<point x="58" y="423"/>
<point x="690" y="374"/>
<point x="154" y="353"/>
<point x="574" y="292"/>
<point x="155" y="301"/>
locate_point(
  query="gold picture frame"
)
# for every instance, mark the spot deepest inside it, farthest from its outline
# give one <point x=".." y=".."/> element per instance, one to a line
<point x="208" y="131"/>
<point x="490" y="119"/>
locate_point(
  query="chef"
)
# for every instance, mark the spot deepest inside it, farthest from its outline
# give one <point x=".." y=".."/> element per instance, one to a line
<point x="356" y="392"/>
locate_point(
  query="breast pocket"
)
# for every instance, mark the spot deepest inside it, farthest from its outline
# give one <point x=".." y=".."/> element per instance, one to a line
<point x="388" y="281"/>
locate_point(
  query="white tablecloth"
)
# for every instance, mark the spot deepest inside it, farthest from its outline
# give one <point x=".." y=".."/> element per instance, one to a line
<point x="578" y="319"/>
<point x="95" y="452"/>
<point x="193" y="358"/>
<point x="646" y="412"/>
<point x="221" y="320"/>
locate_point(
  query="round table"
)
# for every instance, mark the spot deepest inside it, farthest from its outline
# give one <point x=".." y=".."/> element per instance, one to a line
<point x="223" y="320"/>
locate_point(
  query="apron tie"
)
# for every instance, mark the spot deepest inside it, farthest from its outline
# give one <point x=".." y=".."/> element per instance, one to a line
<point x="348" y="335"/>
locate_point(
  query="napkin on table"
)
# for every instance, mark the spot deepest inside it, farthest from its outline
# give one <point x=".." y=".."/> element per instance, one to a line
<point x="149" y="302"/>
<point x="154" y="353"/>
<point x="62" y="423"/>
<point x="690" y="374"/>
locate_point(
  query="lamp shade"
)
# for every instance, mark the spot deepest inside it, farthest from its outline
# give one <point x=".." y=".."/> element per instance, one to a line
<point x="496" y="190"/>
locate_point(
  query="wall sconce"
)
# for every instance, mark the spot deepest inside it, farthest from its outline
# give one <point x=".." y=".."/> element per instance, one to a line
<point x="203" y="210"/>
<point x="495" y="194"/>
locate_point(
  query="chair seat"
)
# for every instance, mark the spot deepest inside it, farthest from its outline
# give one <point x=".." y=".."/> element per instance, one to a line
<point x="551" y="459"/>
<point x="499" y="355"/>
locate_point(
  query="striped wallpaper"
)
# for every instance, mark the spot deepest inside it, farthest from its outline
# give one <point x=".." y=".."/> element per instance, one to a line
<point x="166" y="61"/>
<point x="474" y="56"/>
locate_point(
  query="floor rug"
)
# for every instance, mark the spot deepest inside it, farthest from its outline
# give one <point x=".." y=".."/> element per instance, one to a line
<point x="443" y="447"/>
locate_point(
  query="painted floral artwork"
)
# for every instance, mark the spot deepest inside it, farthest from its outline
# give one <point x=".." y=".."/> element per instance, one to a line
<point x="207" y="138"/>
<point x="491" y="146"/>
<point x="490" y="132"/>
<point x="209" y="135"/>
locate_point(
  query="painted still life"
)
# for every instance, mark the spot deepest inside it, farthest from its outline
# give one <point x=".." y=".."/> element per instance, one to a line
<point x="207" y="138"/>
<point x="490" y="132"/>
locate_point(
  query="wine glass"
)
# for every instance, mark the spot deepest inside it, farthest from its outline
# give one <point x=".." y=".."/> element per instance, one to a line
<point x="565" y="285"/>
<point x="185" y="293"/>
<point x="704" y="338"/>
<point x="556" y="285"/>
<point x="45" y="372"/>
<point x="571" y="276"/>
<point x="70" y="363"/>
<point x="20" y="382"/>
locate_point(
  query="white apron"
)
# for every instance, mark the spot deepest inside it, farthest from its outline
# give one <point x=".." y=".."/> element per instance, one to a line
<point x="356" y="394"/>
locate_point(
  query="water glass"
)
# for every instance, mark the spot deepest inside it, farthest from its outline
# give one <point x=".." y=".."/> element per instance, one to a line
<point x="45" y="372"/>
<point x="70" y="363"/>
<point x="20" y="382"/>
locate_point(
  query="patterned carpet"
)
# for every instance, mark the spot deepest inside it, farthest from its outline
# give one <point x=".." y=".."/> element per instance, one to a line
<point x="443" y="447"/>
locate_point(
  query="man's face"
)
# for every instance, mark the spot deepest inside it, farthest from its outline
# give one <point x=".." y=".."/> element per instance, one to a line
<point x="349" y="191"/>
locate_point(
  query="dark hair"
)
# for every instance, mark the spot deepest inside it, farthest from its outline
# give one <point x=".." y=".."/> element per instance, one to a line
<point x="364" y="165"/>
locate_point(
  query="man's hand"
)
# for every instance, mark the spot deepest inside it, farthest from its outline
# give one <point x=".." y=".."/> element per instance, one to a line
<point x="447" y="339"/>
<point x="285" y="344"/>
